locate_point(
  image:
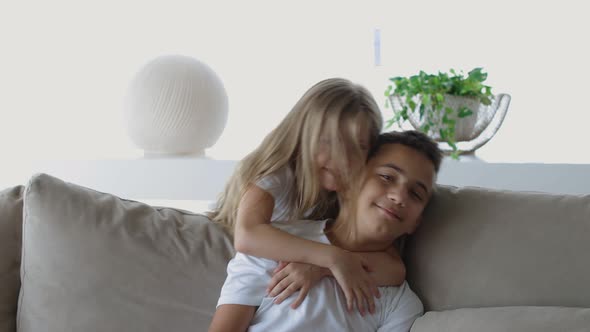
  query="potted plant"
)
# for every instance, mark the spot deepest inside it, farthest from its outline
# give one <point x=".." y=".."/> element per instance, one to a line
<point x="444" y="105"/>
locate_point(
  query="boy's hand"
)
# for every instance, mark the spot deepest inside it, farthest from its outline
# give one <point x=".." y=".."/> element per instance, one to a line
<point x="350" y="271"/>
<point x="291" y="277"/>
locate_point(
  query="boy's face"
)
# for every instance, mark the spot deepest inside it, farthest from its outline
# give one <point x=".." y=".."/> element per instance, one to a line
<point x="398" y="184"/>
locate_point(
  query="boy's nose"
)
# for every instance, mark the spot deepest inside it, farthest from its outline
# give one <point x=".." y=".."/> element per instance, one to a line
<point x="397" y="195"/>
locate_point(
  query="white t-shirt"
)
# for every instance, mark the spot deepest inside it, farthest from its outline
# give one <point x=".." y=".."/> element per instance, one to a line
<point x="280" y="185"/>
<point x="324" y="308"/>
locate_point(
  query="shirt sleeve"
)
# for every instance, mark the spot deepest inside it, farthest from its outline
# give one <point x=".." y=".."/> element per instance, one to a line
<point x="273" y="183"/>
<point x="403" y="312"/>
<point x="247" y="279"/>
<point x="279" y="185"/>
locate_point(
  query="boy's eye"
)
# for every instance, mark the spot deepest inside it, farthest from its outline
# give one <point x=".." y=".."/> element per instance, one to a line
<point x="386" y="177"/>
<point x="416" y="195"/>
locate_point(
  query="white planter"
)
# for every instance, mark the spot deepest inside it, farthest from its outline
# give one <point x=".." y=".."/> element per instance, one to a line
<point x="175" y="105"/>
<point x="466" y="128"/>
<point x="470" y="132"/>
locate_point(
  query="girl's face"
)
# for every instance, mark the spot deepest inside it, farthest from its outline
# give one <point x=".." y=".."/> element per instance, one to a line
<point x="328" y="170"/>
<point x="331" y="171"/>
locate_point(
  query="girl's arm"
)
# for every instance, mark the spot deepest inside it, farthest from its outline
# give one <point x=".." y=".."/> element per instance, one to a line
<point x="232" y="317"/>
<point x="289" y="278"/>
<point x="255" y="236"/>
<point x="386" y="267"/>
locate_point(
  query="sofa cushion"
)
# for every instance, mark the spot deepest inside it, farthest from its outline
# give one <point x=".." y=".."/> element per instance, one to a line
<point x="11" y="215"/>
<point x="96" y="262"/>
<point x="514" y="319"/>
<point x="489" y="248"/>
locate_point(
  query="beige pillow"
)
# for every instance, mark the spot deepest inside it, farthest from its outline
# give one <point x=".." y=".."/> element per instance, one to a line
<point x="11" y="215"/>
<point x="513" y="319"/>
<point x="489" y="248"/>
<point x="96" y="262"/>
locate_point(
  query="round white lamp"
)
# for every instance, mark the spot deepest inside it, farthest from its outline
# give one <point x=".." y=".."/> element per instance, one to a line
<point x="175" y="106"/>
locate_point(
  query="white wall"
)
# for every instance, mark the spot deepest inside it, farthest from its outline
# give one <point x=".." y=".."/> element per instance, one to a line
<point x="65" y="65"/>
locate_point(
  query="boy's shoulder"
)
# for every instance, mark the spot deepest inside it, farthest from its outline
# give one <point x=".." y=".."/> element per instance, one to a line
<point x="401" y="305"/>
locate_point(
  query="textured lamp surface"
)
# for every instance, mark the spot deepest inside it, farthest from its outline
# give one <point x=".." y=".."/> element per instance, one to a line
<point x="175" y="105"/>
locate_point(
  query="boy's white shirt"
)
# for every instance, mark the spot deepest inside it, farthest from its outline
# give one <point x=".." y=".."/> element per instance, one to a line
<point x="325" y="305"/>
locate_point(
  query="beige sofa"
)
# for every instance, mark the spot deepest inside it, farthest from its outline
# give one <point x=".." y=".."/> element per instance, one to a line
<point x="73" y="259"/>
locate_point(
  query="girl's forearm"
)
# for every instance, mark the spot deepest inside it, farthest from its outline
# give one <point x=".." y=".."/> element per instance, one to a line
<point x="386" y="269"/>
<point x="264" y="240"/>
<point x="269" y="242"/>
<point x="254" y="235"/>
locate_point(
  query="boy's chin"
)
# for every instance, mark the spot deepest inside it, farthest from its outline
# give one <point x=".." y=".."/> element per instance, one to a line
<point x="383" y="236"/>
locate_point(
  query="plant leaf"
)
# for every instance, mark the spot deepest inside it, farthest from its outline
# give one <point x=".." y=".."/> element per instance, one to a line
<point x="464" y="112"/>
<point x="452" y="144"/>
<point x="389" y="123"/>
<point x="447" y="120"/>
<point x="404" y="113"/>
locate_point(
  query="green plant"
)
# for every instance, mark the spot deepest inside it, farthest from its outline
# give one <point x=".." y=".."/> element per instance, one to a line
<point x="425" y="93"/>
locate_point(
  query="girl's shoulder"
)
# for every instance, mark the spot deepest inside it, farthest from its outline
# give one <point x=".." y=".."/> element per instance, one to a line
<point x="281" y="186"/>
<point x="282" y="180"/>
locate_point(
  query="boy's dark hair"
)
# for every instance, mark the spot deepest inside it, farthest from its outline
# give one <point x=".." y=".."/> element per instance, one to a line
<point x="413" y="139"/>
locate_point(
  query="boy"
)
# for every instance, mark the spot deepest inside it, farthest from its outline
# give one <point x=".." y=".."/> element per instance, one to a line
<point x="399" y="179"/>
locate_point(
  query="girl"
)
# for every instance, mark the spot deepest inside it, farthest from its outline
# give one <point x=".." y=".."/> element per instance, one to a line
<point x="316" y="151"/>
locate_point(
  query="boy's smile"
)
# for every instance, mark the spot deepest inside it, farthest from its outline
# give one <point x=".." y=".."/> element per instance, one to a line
<point x="390" y="212"/>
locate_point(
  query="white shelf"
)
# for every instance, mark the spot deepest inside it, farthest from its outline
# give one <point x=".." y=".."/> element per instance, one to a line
<point x="203" y="179"/>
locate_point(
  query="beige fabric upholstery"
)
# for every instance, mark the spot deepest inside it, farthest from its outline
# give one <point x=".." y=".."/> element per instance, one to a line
<point x="95" y="262"/>
<point x="513" y="319"/>
<point x="506" y="261"/>
<point x="486" y="248"/>
<point x="11" y="215"/>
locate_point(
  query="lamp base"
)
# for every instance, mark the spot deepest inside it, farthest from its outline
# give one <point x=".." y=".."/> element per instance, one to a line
<point x="163" y="154"/>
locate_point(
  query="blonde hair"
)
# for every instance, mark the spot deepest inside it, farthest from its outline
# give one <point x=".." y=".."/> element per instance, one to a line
<point x="336" y="107"/>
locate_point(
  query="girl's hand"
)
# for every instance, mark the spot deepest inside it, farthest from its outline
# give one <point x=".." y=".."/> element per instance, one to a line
<point x="291" y="277"/>
<point x="351" y="272"/>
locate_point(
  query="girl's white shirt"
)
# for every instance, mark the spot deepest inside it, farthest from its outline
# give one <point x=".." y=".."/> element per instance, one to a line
<point x="281" y="186"/>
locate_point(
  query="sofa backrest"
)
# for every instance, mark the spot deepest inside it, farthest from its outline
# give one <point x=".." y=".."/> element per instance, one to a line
<point x="11" y="215"/>
<point x="483" y="248"/>
<point x="95" y="262"/>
